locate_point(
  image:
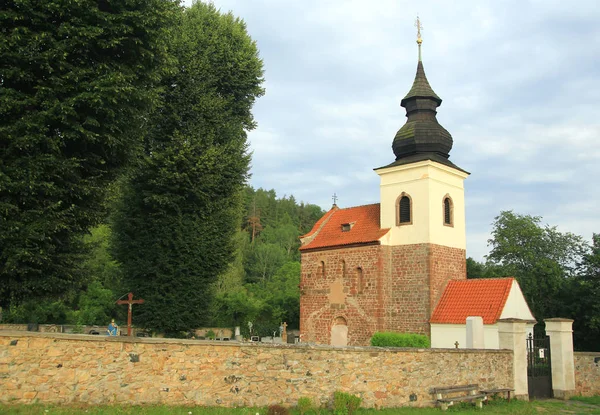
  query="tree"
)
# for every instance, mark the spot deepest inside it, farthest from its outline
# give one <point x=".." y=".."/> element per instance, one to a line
<point x="182" y="203"/>
<point x="77" y="79"/>
<point x="540" y="257"/>
<point x="582" y="301"/>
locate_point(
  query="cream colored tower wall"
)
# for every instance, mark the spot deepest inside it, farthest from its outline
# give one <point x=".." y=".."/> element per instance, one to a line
<point x="426" y="183"/>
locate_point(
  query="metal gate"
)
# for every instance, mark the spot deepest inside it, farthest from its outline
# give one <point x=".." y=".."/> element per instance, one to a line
<point x="539" y="367"/>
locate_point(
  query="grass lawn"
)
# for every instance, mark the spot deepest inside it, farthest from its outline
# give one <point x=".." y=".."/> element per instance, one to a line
<point x="550" y="407"/>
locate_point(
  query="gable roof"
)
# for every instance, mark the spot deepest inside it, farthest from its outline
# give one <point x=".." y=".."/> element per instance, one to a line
<point x="327" y="232"/>
<point x="478" y="297"/>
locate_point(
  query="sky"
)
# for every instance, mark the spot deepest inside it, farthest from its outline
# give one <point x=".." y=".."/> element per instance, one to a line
<point x="519" y="80"/>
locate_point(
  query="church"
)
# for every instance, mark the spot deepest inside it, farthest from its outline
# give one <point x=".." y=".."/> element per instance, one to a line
<point x="385" y="266"/>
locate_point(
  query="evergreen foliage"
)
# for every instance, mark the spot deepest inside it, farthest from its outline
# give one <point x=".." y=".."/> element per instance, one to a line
<point x="390" y="339"/>
<point x="181" y="204"/>
<point x="261" y="284"/>
<point x="77" y="79"/>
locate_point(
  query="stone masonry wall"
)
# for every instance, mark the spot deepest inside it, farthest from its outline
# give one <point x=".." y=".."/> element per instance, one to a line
<point x="587" y="373"/>
<point x="349" y="287"/>
<point x="65" y="368"/>
<point x="395" y="289"/>
<point x="407" y="305"/>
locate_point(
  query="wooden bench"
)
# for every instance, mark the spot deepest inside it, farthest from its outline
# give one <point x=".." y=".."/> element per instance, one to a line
<point x="498" y="391"/>
<point x="448" y="396"/>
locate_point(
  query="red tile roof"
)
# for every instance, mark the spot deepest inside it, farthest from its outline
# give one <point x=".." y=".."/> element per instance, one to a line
<point x="327" y="232"/>
<point x="479" y="297"/>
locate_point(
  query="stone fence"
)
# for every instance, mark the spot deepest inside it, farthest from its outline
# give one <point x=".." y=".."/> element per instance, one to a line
<point x="65" y="368"/>
<point x="587" y="373"/>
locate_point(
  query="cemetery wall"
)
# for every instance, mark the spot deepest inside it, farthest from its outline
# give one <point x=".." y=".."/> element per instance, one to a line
<point x="587" y="373"/>
<point x="66" y="368"/>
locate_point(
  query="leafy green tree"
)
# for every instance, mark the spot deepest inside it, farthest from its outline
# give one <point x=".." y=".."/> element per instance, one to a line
<point x="540" y="257"/>
<point x="96" y="305"/>
<point x="582" y="301"/>
<point x="476" y="269"/>
<point x="237" y="307"/>
<point x="77" y="79"/>
<point x="283" y="294"/>
<point x="182" y="203"/>
<point x="99" y="265"/>
<point x="265" y="260"/>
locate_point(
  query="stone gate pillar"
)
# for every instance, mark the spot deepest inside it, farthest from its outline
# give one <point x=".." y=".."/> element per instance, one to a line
<point x="511" y="335"/>
<point x="560" y="331"/>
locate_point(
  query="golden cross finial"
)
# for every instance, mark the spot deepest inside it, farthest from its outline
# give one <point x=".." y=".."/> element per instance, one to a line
<point x="419" y="26"/>
<point x="419" y="40"/>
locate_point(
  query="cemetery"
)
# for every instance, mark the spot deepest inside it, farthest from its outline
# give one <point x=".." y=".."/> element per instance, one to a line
<point x="287" y="312"/>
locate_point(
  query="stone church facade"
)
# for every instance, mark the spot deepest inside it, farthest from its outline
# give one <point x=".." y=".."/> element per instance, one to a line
<point x="384" y="266"/>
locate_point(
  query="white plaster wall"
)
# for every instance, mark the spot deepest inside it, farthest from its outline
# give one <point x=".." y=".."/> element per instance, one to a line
<point x="444" y="336"/>
<point x="516" y="306"/>
<point x="427" y="183"/>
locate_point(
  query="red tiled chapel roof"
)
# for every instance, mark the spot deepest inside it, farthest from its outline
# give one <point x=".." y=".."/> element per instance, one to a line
<point x="364" y="228"/>
<point x="477" y="297"/>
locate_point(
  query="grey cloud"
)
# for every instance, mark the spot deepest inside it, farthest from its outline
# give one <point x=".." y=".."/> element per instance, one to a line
<point x="519" y="80"/>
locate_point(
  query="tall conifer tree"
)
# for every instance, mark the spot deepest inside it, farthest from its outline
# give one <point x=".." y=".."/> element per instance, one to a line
<point x="182" y="203"/>
<point x="76" y="81"/>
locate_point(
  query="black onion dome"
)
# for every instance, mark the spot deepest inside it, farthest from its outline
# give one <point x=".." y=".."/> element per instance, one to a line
<point x="422" y="137"/>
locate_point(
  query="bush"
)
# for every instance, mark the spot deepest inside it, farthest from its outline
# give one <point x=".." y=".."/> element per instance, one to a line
<point x="345" y="403"/>
<point x="400" y="340"/>
<point x="304" y="405"/>
<point x="277" y="410"/>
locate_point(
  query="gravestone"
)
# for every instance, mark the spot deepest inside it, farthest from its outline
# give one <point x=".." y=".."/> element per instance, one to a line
<point x="475" y="337"/>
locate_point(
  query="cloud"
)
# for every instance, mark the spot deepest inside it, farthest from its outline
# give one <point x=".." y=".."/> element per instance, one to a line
<point x="519" y="81"/>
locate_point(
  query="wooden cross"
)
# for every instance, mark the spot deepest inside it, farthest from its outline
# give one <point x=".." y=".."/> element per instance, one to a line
<point x="130" y="301"/>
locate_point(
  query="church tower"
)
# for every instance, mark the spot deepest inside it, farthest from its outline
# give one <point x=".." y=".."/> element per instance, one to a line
<point x="422" y="201"/>
<point x="384" y="266"/>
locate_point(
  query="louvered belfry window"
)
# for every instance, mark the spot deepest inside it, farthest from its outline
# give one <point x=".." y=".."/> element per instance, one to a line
<point x="447" y="212"/>
<point x="405" y="209"/>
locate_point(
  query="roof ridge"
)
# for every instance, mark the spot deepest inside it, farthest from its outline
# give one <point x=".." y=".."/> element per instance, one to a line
<point x="312" y="234"/>
<point x="507" y="290"/>
<point x="359" y="206"/>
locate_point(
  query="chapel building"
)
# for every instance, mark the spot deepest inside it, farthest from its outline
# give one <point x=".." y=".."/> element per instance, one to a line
<point x="384" y="266"/>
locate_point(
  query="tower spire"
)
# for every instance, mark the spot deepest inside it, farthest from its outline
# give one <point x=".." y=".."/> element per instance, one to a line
<point x="419" y="26"/>
<point x="422" y="137"/>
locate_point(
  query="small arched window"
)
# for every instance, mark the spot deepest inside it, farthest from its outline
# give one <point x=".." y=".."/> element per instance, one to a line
<point x="448" y="207"/>
<point x="404" y="210"/>
<point x="321" y="269"/>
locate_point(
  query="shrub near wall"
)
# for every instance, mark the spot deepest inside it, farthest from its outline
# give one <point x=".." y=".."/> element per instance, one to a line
<point x="384" y="339"/>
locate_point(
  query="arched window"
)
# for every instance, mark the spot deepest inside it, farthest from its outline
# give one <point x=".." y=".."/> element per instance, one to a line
<point x="343" y="269"/>
<point x="403" y="210"/>
<point x="321" y="269"/>
<point x="448" y="208"/>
